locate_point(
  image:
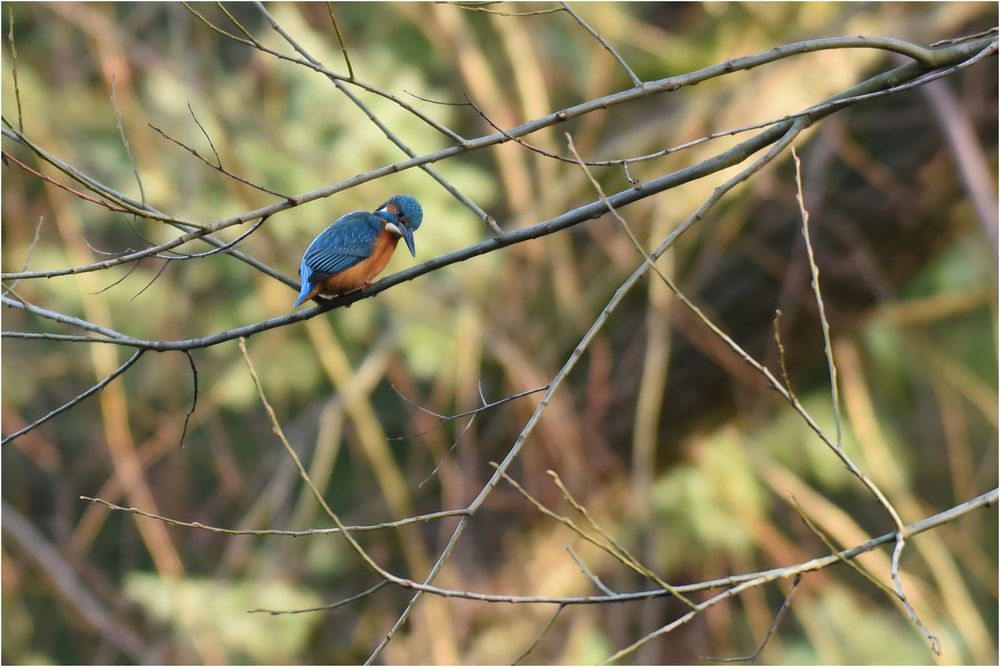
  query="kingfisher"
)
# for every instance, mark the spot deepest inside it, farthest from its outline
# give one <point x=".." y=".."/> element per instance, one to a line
<point x="356" y="247"/>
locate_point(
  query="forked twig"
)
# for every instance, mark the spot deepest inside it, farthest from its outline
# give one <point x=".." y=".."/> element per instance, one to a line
<point x="835" y="398"/>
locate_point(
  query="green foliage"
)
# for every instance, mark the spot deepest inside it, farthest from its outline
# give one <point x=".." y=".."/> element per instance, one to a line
<point x="219" y="609"/>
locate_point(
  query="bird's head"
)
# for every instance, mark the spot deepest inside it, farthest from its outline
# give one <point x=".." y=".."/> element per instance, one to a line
<point x="403" y="216"/>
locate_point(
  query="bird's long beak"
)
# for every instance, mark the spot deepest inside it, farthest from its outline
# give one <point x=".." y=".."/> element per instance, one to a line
<point x="408" y="237"/>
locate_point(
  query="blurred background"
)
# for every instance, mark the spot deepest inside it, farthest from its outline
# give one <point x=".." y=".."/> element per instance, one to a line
<point x="674" y="444"/>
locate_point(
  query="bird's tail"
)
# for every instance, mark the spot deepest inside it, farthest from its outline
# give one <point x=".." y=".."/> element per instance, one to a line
<point x="303" y="294"/>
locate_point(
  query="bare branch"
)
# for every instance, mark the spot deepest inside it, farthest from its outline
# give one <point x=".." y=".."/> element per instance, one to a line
<point x="151" y="281"/>
<point x="8" y="157"/>
<point x="781" y="352"/>
<point x="987" y="499"/>
<point x="820" y="306"/>
<point x="31" y="248"/>
<point x="207" y="137"/>
<point x="956" y="54"/>
<point x="770" y="631"/>
<point x="325" y="607"/>
<point x="121" y="132"/>
<point x="458" y="439"/>
<point x="626" y="554"/>
<point x="594" y="579"/>
<point x="540" y="637"/>
<point x="781" y="141"/>
<point x="219" y="166"/>
<point x="264" y="532"/>
<point x="448" y="418"/>
<point x="13" y="53"/>
<point x="389" y="134"/>
<point x="636" y="81"/>
<point x="194" y="397"/>
<point x="482" y="7"/>
<point x="965" y="38"/>
<point x="237" y="24"/>
<point x="80" y="397"/>
<point x="340" y="40"/>
<point x="894" y="570"/>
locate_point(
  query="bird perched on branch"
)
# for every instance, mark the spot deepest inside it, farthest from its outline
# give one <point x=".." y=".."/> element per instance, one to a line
<point x="354" y="249"/>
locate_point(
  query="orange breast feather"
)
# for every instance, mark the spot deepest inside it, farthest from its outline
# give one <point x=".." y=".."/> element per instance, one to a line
<point x="364" y="271"/>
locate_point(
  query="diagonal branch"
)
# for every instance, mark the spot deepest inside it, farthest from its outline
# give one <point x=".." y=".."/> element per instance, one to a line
<point x="80" y="397"/>
<point x="636" y="81"/>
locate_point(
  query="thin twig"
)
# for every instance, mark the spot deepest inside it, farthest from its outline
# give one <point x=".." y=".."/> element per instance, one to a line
<point x="121" y="132"/>
<point x="594" y="579"/>
<point x="82" y="195"/>
<point x="322" y="70"/>
<point x="447" y="418"/>
<point x="238" y="24"/>
<point x="132" y="206"/>
<point x="118" y="281"/>
<point x="784" y="135"/>
<point x="458" y="439"/>
<point x="421" y="518"/>
<point x="636" y="81"/>
<point x="540" y="637"/>
<point x="894" y="571"/>
<point x="781" y="352"/>
<point x="963" y="54"/>
<point x="194" y="396"/>
<point x="815" y="529"/>
<point x="987" y="499"/>
<point x="820" y="305"/>
<point x="102" y="189"/>
<point x="278" y="431"/>
<point x="208" y="138"/>
<point x="325" y="607"/>
<point x="964" y="38"/>
<point x="80" y="397"/>
<point x="218" y="167"/>
<point x="151" y="280"/>
<point x="31" y="249"/>
<point x="618" y="547"/>
<point x="13" y="53"/>
<point x="340" y="40"/>
<point x="67" y="338"/>
<point x="815" y="111"/>
<point x="214" y="251"/>
<point x="572" y="525"/>
<point x="735" y="347"/>
<point x="480" y="7"/>
<point x="389" y="134"/>
<point x="770" y="631"/>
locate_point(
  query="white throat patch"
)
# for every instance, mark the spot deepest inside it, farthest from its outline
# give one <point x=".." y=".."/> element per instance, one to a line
<point x="393" y="228"/>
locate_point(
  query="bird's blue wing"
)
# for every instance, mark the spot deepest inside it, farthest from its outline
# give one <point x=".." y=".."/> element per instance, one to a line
<point x="341" y="245"/>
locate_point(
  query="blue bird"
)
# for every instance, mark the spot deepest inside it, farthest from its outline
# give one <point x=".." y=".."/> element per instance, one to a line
<point x="348" y="254"/>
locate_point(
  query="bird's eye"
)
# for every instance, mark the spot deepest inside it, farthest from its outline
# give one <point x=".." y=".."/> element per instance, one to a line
<point x="401" y="217"/>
